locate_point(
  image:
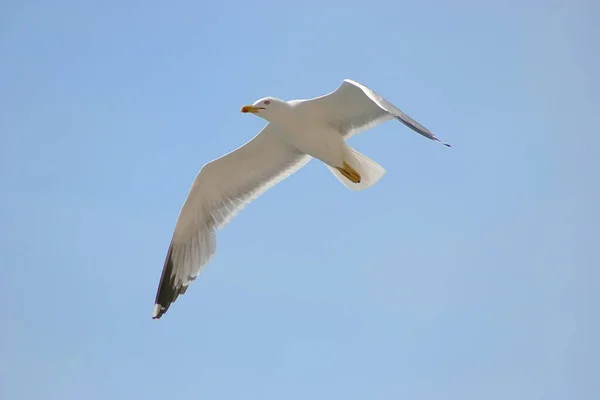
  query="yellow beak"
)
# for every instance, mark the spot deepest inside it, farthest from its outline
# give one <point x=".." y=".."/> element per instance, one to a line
<point x="251" y="109"/>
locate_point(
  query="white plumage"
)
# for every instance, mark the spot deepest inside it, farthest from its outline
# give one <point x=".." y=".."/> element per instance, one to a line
<point x="297" y="131"/>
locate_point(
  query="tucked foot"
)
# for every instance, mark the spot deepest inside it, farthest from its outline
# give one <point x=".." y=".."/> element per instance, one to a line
<point x="349" y="172"/>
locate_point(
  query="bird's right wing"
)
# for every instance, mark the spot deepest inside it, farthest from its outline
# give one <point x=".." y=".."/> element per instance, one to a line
<point x="222" y="188"/>
<point x="353" y="108"/>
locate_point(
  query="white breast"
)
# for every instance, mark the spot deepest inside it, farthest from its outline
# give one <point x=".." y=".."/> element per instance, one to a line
<point x="311" y="135"/>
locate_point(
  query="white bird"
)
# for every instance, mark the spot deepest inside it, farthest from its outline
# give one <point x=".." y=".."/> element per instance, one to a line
<point x="296" y="132"/>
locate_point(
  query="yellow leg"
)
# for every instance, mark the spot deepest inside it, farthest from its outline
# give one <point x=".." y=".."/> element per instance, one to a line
<point x="349" y="173"/>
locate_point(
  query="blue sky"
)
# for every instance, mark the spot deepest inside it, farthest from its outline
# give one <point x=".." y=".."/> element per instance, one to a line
<point x="465" y="273"/>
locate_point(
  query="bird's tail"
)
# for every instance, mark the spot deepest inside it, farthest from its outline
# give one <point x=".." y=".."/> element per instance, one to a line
<point x="368" y="171"/>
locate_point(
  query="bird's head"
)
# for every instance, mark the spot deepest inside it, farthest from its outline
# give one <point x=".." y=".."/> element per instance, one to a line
<point x="265" y="107"/>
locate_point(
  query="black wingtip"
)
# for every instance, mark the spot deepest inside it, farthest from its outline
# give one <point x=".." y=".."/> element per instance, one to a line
<point x="439" y="141"/>
<point x="158" y="311"/>
<point x="167" y="291"/>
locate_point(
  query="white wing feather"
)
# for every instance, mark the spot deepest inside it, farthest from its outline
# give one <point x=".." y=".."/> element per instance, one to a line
<point x="222" y="188"/>
<point x="353" y="108"/>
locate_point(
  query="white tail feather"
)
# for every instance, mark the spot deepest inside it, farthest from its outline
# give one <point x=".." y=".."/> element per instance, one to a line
<point x="370" y="172"/>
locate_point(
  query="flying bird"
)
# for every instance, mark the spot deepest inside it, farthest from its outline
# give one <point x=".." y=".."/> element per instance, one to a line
<point x="296" y="132"/>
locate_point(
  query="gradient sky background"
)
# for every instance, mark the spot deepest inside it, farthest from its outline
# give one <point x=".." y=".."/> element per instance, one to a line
<point x="466" y="273"/>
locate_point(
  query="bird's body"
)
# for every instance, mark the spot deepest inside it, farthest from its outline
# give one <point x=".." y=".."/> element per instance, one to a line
<point x="298" y="131"/>
<point x="307" y="132"/>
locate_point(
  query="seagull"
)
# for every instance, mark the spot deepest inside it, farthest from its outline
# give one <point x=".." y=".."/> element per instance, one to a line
<point x="296" y="132"/>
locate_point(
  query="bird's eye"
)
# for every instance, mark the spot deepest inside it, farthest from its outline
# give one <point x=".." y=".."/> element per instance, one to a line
<point x="267" y="102"/>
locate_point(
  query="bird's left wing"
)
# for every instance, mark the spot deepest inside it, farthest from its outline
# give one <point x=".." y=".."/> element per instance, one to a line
<point x="354" y="108"/>
<point x="222" y="188"/>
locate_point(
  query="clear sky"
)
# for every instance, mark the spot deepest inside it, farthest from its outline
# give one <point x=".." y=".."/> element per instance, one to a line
<point x="466" y="273"/>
